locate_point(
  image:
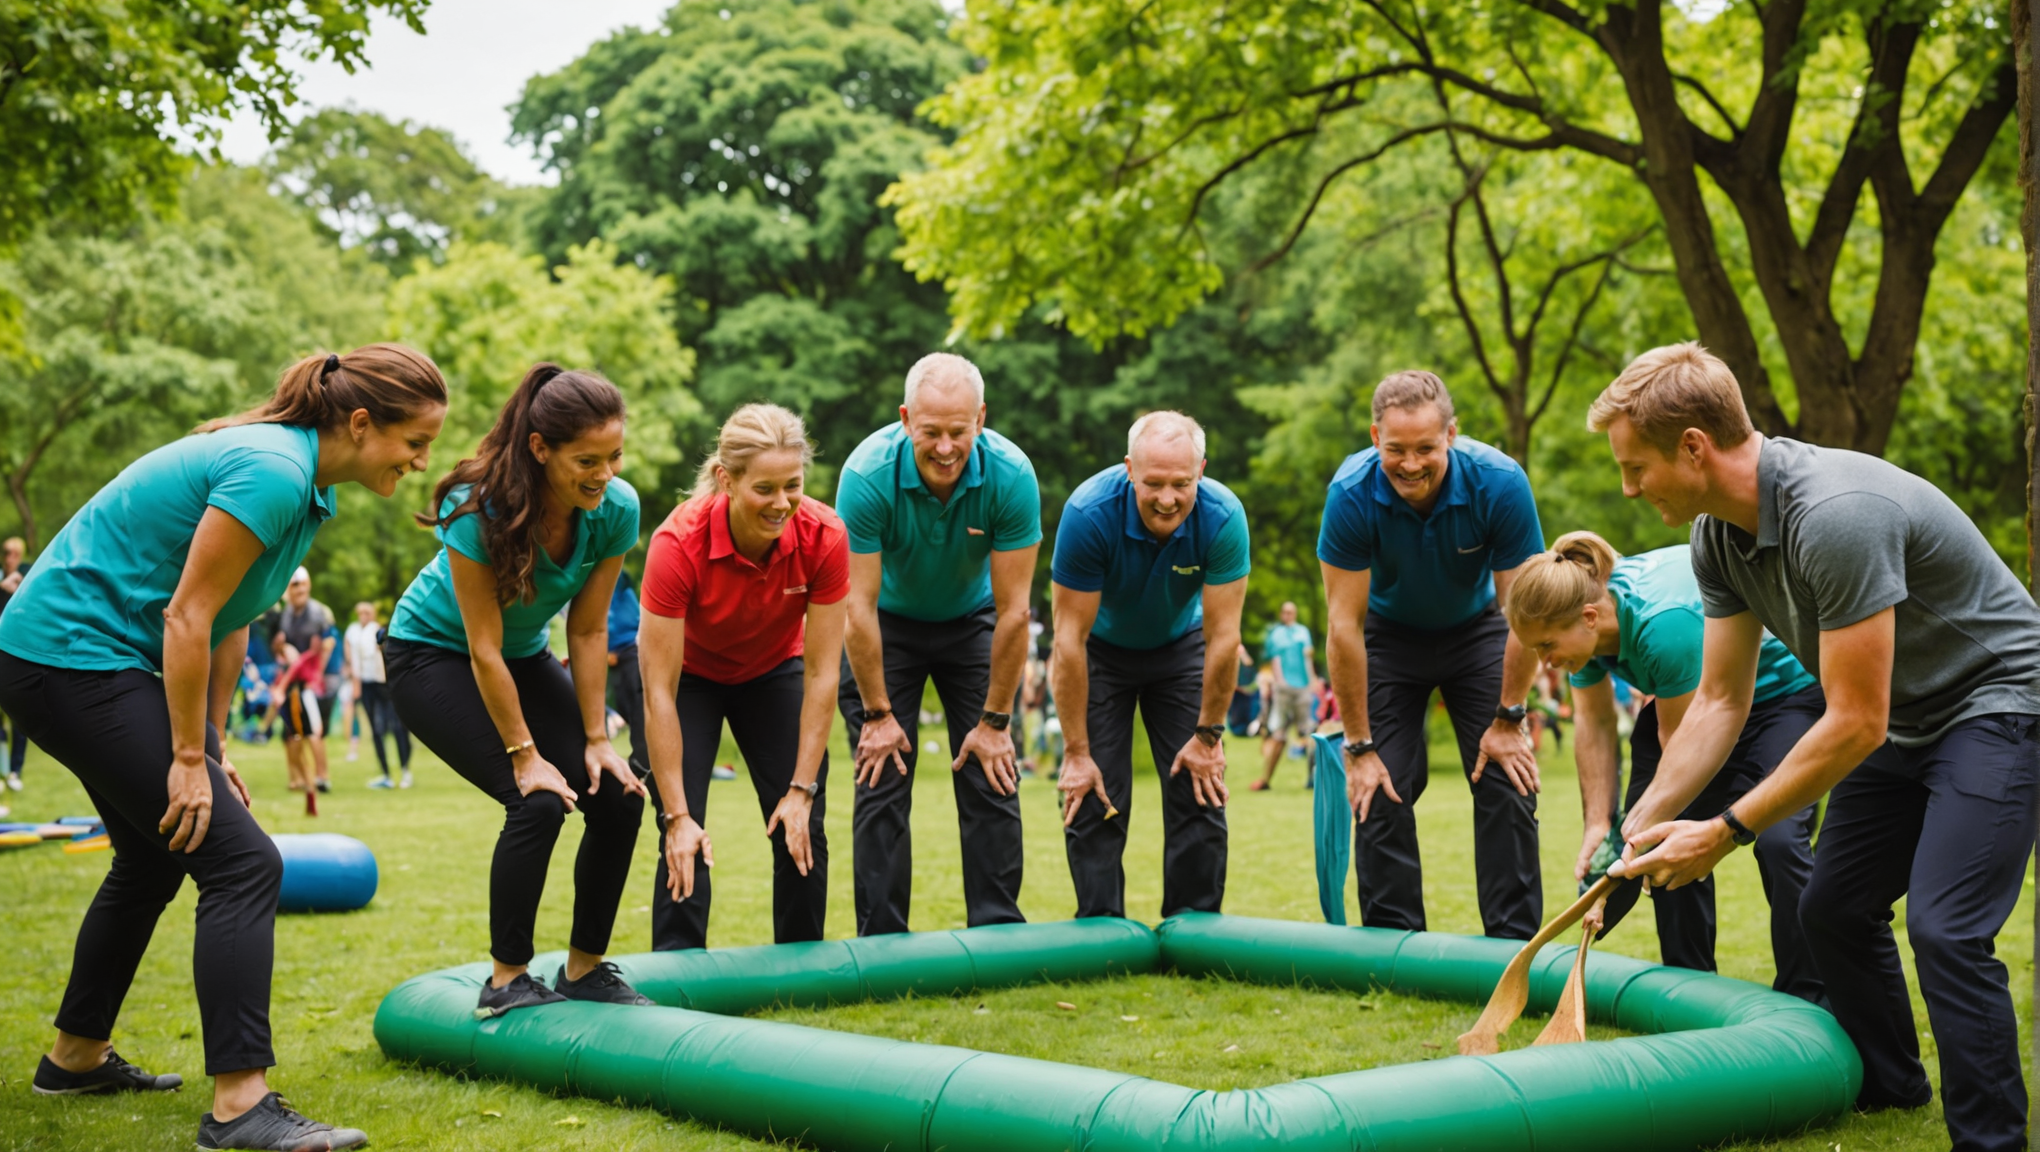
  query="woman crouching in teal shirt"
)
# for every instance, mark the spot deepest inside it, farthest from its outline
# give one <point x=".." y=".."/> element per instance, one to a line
<point x="1586" y="611"/>
<point x="535" y="521"/>
<point x="119" y="655"/>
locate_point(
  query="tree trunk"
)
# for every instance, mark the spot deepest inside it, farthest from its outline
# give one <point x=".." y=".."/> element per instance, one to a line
<point x="18" y="489"/>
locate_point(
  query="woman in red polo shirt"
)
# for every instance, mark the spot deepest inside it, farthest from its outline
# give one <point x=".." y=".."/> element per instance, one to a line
<point x="741" y="583"/>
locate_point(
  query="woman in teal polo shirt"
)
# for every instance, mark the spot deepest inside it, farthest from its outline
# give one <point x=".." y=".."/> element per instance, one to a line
<point x="118" y="655"/>
<point x="537" y="520"/>
<point x="1588" y="612"/>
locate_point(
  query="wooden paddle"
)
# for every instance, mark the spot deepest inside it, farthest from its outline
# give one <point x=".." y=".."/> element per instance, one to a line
<point x="1513" y="991"/>
<point x="1568" y="1023"/>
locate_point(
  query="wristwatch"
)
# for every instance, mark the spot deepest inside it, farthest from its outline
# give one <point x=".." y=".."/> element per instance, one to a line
<point x="996" y="721"/>
<point x="1512" y="714"/>
<point x="1737" y="830"/>
<point x="1359" y="748"/>
<point x="811" y="787"/>
<point x="1211" y="734"/>
<point x="870" y="714"/>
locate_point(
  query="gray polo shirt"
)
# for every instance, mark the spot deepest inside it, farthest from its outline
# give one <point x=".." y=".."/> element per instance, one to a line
<point x="1842" y="536"/>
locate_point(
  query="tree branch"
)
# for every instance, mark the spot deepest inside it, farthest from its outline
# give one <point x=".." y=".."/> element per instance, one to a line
<point x="1317" y="196"/>
<point x="1770" y="120"/>
<point x="1459" y="297"/>
<point x="1875" y="129"/>
<point x="1735" y="130"/>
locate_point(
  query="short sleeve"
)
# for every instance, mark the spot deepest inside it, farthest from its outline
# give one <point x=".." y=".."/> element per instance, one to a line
<point x="668" y="586"/>
<point x="1230" y="557"/>
<point x="621" y="524"/>
<point x="863" y="509"/>
<point x="1669" y="646"/>
<point x="1016" y="515"/>
<point x="1081" y="558"/>
<point x="1850" y="551"/>
<point x="830" y="581"/>
<point x="1346" y="535"/>
<point x="268" y="492"/>
<point x="1717" y="596"/>
<point x="1514" y="532"/>
<point x="1590" y="674"/>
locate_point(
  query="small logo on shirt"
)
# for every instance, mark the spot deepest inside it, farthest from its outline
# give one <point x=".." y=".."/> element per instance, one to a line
<point x="973" y="531"/>
<point x="1190" y="571"/>
<point x="796" y="590"/>
<point x="1472" y="550"/>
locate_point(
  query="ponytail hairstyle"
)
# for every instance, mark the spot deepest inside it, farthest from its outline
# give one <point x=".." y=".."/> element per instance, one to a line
<point x="507" y="480"/>
<point x="392" y="382"/>
<point x="750" y="430"/>
<point x="1553" y="588"/>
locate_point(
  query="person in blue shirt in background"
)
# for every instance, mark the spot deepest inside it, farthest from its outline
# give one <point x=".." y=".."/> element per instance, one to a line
<point x="1422" y="535"/>
<point x="1150" y="572"/>
<point x="626" y="686"/>
<point x="1287" y="650"/>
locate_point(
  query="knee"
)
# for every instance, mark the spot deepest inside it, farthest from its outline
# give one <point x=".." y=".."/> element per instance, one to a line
<point x="143" y="880"/>
<point x="1783" y="848"/>
<point x="1828" y="908"/>
<point x="541" y="812"/>
<point x="253" y="866"/>
<point x="1935" y="936"/>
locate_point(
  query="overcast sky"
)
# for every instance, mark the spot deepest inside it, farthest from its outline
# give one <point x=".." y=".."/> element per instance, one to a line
<point x="471" y="63"/>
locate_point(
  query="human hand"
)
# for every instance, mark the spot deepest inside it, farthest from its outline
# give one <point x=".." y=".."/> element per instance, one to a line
<point x="1206" y="763"/>
<point x="1590" y="843"/>
<point x="234" y="781"/>
<point x="1364" y="776"/>
<point x="1080" y="778"/>
<point x="993" y="748"/>
<point x="792" y="815"/>
<point x="535" y="774"/>
<point x="685" y="839"/>
<point x="601" y="757"/>
<point x="1676" y="853"/>
<point x="1508" y="745"/>
<point x="878" y="741"/>
<point x="191" y="801"/>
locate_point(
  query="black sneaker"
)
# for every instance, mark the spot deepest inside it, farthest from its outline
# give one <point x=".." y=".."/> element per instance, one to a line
<point x="602" y="985"/>
<point x="521" y="992"/>
<point x="325" y="785"/>
<point x="274" y="1126"/>
<point x="114" y="1075"/>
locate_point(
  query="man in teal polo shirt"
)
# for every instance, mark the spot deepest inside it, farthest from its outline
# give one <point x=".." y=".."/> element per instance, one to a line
<point x="944" y="518"/>
<point x="1291" y="711"/>
<point x="1150" y="570"/>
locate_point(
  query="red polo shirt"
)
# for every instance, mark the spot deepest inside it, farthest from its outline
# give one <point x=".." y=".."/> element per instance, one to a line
<point x="743" y="620"/>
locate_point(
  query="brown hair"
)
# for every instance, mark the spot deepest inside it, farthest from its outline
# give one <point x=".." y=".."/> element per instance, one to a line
<point x="392" y="382"/>
<point x="1670" y="389"/>
<point x="1555" y="587"/>
<point x="1411" y="388"/>
<point x="506" y="480"/>
<point x="750" y="430"/>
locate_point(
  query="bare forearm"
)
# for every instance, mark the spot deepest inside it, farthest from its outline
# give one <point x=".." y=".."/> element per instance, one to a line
<point x="1346" y="660"/>
<point x="1009" y="659"/>
<point x="187" y="676"/>
<point x="225" y="675"/>
<point x="1072" y="683"/>
<point x="867" y="657"/>
<point x="817" y="712"/>
<point x="1829" y="751"/>
<point x="1594" y="754"/>
<point x="1519" y="668"/>
<point x="588" y="659"/>
<point x="1221" y="672"/>
<point x="1692" y="757"/>
<point x="499" y="696"/>
<point x="663" y="746"/>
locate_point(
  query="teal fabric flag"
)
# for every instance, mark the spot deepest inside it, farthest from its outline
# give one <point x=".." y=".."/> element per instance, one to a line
<point x="1334" y="821"/>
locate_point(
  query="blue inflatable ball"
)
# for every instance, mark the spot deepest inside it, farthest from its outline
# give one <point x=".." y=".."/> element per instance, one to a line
<point x="325" y="872"/>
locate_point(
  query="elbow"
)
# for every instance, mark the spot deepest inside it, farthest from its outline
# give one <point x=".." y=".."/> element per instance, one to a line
<point x="1860" y="730"/>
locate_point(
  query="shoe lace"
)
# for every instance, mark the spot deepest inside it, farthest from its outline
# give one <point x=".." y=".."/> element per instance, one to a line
<point x="605" y="974"/>
<point x="295" y="1117"/>
<point x="114" y="1063"/>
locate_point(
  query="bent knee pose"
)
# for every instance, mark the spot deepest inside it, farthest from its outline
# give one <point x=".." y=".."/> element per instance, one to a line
<point x="1920" y="634"/>
<point x="1589" y="613"/>
<point x="1422" y="534"/>
<point x="944" y="517"/>
<point x="537" y="520"/>
<point x="1150" y="571"/>
<point x="743" y="621"/>
<point x="119" y="655"/>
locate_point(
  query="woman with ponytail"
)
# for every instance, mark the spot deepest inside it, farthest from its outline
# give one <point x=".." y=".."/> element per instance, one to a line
<point x="1588" y="612"/>
<point x="743" y="613"/>
<point x="535" y="521"/>
<point x="119" y="655"/>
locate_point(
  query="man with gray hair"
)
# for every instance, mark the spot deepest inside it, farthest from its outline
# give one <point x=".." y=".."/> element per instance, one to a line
<point x="944" y="519"/>
<point x="1150" y="571"/>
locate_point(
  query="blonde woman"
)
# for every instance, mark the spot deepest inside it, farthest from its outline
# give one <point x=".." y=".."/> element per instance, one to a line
<point x="1586" y="611"/>
<point x="743" y="612"/>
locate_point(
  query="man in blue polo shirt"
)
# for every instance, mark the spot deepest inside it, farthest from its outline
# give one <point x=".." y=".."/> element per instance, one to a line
<point x="626" y="683"/>
<point x="944" y="518"/>
<point x="1150" y="571"/>
<point x="1421" y="534"/>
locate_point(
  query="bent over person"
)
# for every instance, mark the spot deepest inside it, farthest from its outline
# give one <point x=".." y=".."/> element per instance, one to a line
<point x="1877" y="582"/>
<point x="944" y="517"/>
<point x="1422" y="534"/>
<point x="1150" y="571"/>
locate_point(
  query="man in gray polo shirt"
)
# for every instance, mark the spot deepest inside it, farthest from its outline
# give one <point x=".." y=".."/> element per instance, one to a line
<point x="1928" y="650"/>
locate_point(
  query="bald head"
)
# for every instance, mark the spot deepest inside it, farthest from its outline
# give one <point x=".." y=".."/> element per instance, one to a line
<point x="947" y="373"/>
<point x="1170" y="432"/>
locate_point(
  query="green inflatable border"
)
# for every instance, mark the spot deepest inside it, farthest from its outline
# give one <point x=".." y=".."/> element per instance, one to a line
<point x="1723" y="1059"/>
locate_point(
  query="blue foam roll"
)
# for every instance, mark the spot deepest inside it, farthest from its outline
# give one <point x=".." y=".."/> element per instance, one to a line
<point x="78" y="821"/>
<point x="325" y="872"/>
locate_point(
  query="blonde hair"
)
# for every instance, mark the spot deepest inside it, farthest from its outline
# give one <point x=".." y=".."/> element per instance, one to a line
<point x="750" y="430"/>
<point x="1554" y="587"/>
<point x="1409" y="389"/>
<point x="1668" y="390"/>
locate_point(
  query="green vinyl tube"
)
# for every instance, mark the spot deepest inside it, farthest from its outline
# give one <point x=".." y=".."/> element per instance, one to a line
<point x="1725" y="1059"/>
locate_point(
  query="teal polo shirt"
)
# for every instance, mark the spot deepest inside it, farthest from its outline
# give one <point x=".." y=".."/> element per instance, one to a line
<point x="937" y="555"/>
<point x="94" y="599"/>
<point x="1152" y="591"/>
<point x="1660" y="618"/>
<point x="1288" y="646"/>
<point x="429" y="613"/>
<point x="1431" y="571"/>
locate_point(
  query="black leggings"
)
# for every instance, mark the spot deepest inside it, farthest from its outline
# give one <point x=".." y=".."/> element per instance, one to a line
<point x="383" y="720"/>
<point x="436" y="696"/>
<point x="112" y="730"/>
<point x="764" y="716"/>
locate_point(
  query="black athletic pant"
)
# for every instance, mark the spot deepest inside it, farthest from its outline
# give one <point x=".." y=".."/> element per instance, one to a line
<point x="627" y="687"/>
<point x="437" y="697"/>
<point x="1784" y="851"/>
<point x="1464" y="665"/>
<point x="957" y="654"/>
<point x="383" y="720"/>
<point x="112" y="730"/>
<point x="764" y="718"/>
<point x="1167" y="684"/>
<point x="1947" y="826"/>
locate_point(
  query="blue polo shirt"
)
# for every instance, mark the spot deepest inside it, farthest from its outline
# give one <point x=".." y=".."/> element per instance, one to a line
<point x="1152" y="590"/>
<point x="623" y="613"/>
<point x="1288" y="647"/>
<point x="95" y="598"/>
<point x="937" y="554"/>
<point x="1434" y="571"/>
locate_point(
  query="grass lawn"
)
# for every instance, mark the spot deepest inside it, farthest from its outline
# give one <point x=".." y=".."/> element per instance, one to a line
<point x="433" y="846"/>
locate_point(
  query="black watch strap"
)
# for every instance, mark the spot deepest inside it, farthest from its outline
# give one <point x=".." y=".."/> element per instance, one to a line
<point x="867" y="715"/>
<point x="1511" y="715"/>
<point x="997" y="721"/>
<point x="1211" y="734"/>
<point x="1737" y="830"/>
<point x="1359" y="748"/>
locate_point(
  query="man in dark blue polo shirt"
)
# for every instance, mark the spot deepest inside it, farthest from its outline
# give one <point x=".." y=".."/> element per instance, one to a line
<point x="1422" y="533"/>
<point x="1150" y="571"/>
<point x="944" y="518"/>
